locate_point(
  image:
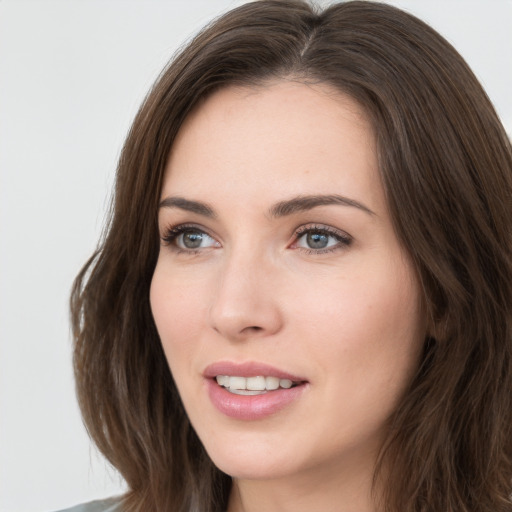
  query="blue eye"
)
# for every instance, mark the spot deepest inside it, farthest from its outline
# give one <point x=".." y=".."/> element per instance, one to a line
<point x="193" y="240"/>
<point x="318" y="240"/>
<point x="322" y="239"/>
<point x="189" y="238"/>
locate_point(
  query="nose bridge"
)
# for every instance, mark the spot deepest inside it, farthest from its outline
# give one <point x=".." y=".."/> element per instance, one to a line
<point x="244" y="304"/>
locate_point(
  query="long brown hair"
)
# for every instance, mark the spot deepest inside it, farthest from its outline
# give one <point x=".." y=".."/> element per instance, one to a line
<point x="446" y="165"/>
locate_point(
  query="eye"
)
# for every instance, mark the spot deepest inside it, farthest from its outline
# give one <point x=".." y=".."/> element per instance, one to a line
<point x="194" y="240"/>
<point x="320" y="239"/>
<point x="189" y="238"/>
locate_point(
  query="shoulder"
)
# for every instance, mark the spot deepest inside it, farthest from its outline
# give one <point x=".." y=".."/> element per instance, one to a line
<point x="108" y="505"/>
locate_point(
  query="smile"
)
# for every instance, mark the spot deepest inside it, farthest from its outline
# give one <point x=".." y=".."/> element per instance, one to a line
<point x="252" y="391"/>
<point x="253" y="385"/>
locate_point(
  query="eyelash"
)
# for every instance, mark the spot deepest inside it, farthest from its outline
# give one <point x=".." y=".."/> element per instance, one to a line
<point x="173" y="232"/>
<point x="344" y="240"/>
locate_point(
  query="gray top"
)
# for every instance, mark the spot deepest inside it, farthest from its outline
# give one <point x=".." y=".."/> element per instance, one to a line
<point x="108" y="505"/>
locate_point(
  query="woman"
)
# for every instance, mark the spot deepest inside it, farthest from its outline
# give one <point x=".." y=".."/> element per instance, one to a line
<point x="303" y="298"/>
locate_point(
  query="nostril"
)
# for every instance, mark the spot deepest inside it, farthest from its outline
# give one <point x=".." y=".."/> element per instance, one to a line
<point x="240" y="318"/>
<point x="254" y="328"/>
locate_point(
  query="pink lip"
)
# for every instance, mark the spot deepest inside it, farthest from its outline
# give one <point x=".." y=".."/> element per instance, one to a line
<point x="249" y="369"/>
<point x="250" y="407"/>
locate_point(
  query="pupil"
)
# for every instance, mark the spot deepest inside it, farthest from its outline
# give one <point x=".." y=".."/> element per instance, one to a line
<point x="317" y="240"/>
<point x="192" y="240"/>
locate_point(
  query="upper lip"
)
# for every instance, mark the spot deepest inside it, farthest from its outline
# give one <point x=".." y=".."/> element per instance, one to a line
<point x="248" y="369"/>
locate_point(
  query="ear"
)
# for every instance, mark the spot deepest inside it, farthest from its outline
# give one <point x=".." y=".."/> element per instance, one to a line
<point x="437" y="319"/>
<point x="434" y="306"/>
<point x="438" y="328"/>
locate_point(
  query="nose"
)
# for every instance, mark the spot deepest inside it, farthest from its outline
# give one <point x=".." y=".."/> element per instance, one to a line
<point x="245" y="304"/>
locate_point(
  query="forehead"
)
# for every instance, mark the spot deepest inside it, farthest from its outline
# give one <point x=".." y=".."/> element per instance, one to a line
<point x="281" y="137"/>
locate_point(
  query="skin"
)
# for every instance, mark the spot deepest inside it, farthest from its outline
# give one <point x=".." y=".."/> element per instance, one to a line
<point x="347" y="318"/>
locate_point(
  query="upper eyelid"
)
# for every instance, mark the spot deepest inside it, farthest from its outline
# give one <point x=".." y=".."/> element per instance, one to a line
<point x="317" y="227"/>
<point x="173" y="231"/>
<point x="322" y="227"/>
<point x="182" y="226"/>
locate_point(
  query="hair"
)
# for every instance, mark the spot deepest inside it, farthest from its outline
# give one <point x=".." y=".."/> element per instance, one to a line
<point x="446" y="168"/>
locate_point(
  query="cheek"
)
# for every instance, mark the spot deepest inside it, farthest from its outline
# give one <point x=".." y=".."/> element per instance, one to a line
<point x="374" y="300"/>
<point x="367" y="344"/>
<point x="177" y="308"/>
<point x="368" y="325"/>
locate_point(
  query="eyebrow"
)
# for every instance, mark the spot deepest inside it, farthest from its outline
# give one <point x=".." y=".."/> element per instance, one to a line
<point x="281" y="209"/>
<point x="303" y="203"/>
<point x="187" y="205"/>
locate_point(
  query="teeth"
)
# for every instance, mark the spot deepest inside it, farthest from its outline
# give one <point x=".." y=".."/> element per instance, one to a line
<point x="285" y="383"/>
<point x="223" y="380"/>
<point x="271" y="383"/>
<point x="256" y="383"/>
<point x="237" y="383"/>
<point x="252" y="385"/>
<point x="246" y="392"/>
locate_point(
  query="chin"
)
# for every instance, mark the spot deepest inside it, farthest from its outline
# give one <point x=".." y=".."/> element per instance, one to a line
<point x="254" y="462"/>
<point x="251" y="470"/>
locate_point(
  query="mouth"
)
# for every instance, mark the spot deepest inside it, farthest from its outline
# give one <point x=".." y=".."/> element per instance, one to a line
<point x="257" y="385"/>
<point x="252" y="391"/>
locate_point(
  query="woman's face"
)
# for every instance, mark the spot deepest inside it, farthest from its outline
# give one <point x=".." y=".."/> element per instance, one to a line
<point x="279" y="267"/>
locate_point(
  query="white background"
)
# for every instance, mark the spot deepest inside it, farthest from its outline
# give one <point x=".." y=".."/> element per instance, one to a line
<point x="72" y="74"/>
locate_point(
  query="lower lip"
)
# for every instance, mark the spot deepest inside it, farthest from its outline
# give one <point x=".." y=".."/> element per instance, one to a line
<point x="252" y="407"/>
